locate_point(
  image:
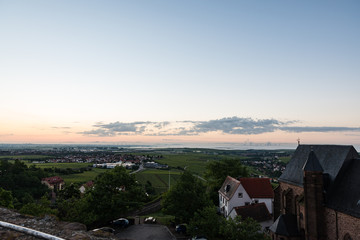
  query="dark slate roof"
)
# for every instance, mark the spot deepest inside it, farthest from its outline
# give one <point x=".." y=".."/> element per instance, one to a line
<point x="312" y="164"/>
<point x="229" y="187"/>
<point x="331" y="158"/>
<point x="344" y="196"/>
<point x="258" y="212"/>
<point x="285" y="225"/>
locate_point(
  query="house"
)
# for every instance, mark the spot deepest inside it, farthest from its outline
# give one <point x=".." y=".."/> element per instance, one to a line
<point x="257" y="211"/>
<point x="54" y="183"/>
<point x="86" y="186"/>
<point x="318" y="195"/>
<point x="245" y="191"/>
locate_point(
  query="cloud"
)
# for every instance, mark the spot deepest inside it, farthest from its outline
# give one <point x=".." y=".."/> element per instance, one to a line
<point x="61" y="127"/>
<point x="236" y="125"/>
<point x="229" y="125"/>
<point x="319" y="129"/>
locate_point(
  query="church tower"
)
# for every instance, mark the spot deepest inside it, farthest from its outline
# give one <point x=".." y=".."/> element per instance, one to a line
<point x="314" y="199"/>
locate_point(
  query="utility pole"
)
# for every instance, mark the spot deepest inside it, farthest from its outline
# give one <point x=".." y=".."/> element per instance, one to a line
<point x="169" y="179"/>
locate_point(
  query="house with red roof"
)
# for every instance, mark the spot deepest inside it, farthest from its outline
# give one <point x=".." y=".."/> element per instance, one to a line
<point x="258" y="212"/>
<point x="54" y="183"/>
<point x="243" y="192"/>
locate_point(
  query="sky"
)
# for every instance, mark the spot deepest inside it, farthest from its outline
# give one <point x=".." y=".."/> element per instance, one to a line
<point x="180" y="72"/>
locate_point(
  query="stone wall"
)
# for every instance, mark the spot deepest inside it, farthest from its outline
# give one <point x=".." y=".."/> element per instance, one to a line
<point x="49" y="225"/>
<point x="339" y="224"/>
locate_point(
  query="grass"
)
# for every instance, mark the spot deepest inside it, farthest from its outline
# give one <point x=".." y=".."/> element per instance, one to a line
<point x="26" y="157"/>
<point x="161" y="217"/>
<point x="192" y="162"/>
<point x="83" y="177"/>
<point x="285" y="159"/>
<point x="61" y="165"/>
<point x="159" y="179"/>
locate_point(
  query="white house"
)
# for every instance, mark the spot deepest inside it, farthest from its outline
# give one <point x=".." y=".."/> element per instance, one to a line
<point x="243" y="192"/>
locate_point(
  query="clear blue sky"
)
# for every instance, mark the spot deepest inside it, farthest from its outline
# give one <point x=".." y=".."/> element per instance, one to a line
<point x="70" y="69"/>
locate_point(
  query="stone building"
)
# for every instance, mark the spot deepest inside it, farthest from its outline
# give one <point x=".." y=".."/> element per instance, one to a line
<point x="318" y="196"/>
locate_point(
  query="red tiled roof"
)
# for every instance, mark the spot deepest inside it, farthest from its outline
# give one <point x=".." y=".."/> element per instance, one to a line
<point x="53" y="180"/>
<point x="257" y="187"/>
<point x="258" y="212"/>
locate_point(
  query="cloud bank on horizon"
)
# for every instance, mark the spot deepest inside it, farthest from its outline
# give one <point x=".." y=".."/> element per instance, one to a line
<point x="229" y="125"/>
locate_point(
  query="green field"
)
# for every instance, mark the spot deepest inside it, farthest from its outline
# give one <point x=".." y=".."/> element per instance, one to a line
<point x="159" y="178"/>
<point x="285" y="159"/>
<point x="26" y="157"/>
<point x="193" y="162"/>
<point x="83" y="177"/>
<point x="61" y="165"/>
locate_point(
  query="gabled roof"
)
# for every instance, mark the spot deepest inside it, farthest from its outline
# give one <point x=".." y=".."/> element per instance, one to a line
<point x="229" y="187"/>
<point x="53" y="180"/>
<point x="344" y="196"/>
<point x="257" y="187"/>
<point x="330" y="157"/>
<point x="312" y="163"/>
<point x="285" y="225"/>
<point x="258" y="212"/>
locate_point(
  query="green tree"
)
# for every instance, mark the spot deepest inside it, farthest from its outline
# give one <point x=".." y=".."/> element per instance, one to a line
<point x="185" y="197"/>
<point x="115" y="194"/>
<point x="39" y="209"/>
<point x="217" y="171"/>
<point x="206" y="222"/>
<point x="6" y="199"/>
<point x="69" y="191"/>
<point x="239" y="229"/>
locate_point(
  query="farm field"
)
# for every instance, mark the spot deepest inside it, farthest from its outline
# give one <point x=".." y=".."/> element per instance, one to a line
<point x="26" y="157"/>
<point x="83" y="177"/>
<point x="159" y="179"/>
<point x="193" y="162"/>
<point x="60" y="165"/>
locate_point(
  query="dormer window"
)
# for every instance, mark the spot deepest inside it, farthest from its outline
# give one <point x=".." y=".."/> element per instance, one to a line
<point x="240" y="195"/>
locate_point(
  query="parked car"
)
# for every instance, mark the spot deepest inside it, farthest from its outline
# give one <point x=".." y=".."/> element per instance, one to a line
<point x="199" y="238"/>
<point x="181" y="228"/>
<point x="121" y="222"/>
<point x="150" y="220"/>
<point x="104" y="229"/>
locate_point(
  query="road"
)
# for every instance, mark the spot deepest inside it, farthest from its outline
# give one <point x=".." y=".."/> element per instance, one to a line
<point x="141" y="168"/>
<point x="146" y="232"/>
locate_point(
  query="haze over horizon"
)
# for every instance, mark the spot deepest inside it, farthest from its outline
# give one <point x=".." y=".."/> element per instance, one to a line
<point x="180" y="72"/>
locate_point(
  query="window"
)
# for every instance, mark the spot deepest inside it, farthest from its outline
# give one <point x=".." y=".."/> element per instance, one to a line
<point x="247" y="203"/>
<point x="256" y="201"/>
<point x="240" y="195"/>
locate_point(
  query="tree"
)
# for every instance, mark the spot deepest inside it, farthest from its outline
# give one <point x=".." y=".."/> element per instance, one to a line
<point x="6" y="199"/>
<point x="217" y="171"/>
<point x="185" y="197"/>
<point x="115" y="193"/>
<point x="206" y="222"/>
<point x="69" y="191"/>
<point x="38" y="209"/>
<point x="239" y="229"/>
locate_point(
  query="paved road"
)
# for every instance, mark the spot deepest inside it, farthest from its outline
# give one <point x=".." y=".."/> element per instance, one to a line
<point x="146" y="232"/>
<point x="141" y="168"/>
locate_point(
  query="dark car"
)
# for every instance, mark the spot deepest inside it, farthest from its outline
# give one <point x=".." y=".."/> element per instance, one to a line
<point x="181" y="228"/>
<point x="121" y="222"/>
